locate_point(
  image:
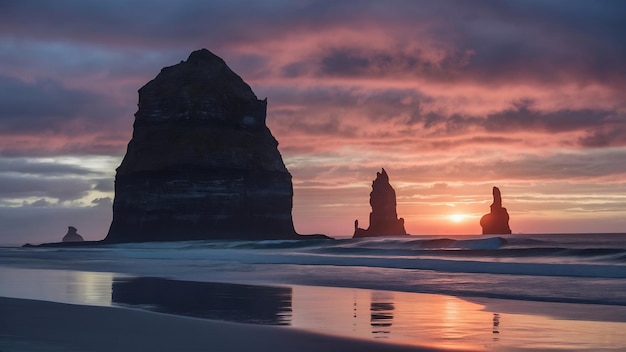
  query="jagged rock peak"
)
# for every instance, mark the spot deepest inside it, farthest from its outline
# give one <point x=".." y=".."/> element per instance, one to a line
<point x="204" y="55"/>
<point x="200" y="97"/>
<point x="497" y="198"/>
<point x="201" y="88"/>
<point x="497" y="221"/>
<point x="383" y="218"/>
<point x="382" y="176"/>
<point x="383" y="196"/>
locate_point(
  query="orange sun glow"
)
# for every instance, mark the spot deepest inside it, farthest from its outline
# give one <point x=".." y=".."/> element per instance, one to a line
<point x="457" y="217"/>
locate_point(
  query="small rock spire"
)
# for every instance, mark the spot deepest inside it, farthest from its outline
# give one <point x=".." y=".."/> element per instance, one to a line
<point x="497" y="221"/>
<point x="383" y="218"/>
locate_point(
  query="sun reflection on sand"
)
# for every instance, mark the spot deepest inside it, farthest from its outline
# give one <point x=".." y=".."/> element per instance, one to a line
<point x="65" y="286"/>
<point x="91" y="287"/>
<point x="444" y="321"/>
<point x="397" y="317"/>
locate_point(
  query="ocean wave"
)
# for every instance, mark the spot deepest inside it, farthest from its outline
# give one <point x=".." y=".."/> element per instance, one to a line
<point x="459" y="261"/>
<point x="470" y="254"/>
<point x="584" y="269"/>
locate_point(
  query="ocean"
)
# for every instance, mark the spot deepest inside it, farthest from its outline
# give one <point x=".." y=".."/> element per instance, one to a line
<point x="530" y="275"/>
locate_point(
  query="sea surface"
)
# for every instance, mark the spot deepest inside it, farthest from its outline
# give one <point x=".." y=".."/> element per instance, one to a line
<point x="382" y="284"/>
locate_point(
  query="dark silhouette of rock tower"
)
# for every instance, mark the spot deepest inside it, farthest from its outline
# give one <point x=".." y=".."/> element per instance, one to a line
<point x="383" y="218"/>
<point x="497" y="221"/>
<point x="202" y="163"/>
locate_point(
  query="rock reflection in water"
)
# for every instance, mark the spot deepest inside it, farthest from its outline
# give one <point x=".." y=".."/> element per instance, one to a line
<point x="381" y="313"/>
<point x="221" y="301"/>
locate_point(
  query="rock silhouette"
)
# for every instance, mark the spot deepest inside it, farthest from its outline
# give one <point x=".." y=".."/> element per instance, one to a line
<point x="383" y="218"/>
<point x="72" y="235"/>
<point x="497" y="221"/>
<point x="202" y="163"/>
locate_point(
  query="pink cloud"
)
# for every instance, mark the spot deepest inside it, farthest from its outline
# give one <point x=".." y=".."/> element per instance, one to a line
<point x="464" y="94"/>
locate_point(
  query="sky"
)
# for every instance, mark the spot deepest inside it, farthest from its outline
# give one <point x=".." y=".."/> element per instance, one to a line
<point x="450" y="97"/>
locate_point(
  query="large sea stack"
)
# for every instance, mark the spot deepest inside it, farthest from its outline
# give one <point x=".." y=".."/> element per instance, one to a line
<point x="201" y="164"/>
<point x="383" y="218"/>
<point x="497" y="221"/>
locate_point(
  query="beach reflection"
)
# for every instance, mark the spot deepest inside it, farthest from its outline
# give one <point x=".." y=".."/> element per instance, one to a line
<point x="402" y="317"/>
<point x="268" y="305"/>
<point x="381" y="315"/>
<point x="65" y="286"/>
<point x="407" y="318"/>
<point x="449" y="322"/>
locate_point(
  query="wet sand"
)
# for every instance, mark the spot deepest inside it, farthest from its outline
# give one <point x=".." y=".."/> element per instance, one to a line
<point x="129" y="315"/>
<point x="29" y="325"/>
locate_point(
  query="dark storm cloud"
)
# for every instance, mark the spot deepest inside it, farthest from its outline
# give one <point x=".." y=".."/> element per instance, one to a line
<point x="323" y="112"/>
<point x="68" y="146"/>
<point x="355" y="62"/>
<point x="553" y="40"/>
<point x="534" y="27"/>
<point x="575" y="167"/>
<point x="25" y="166"/>
<point x="559" y="166"/>
<point x="44" y="105"/>
<point x="326" y="114"/>
<point x="492" y="41"/>
<point x="23" y="178"/>
<point x="141" y="22"/>
<point x="549" y="42"/>
<point x="606" y="136"/>
<point x="543" y="40"/>
<point x="448" y="144"/>
<point x="61" y="188"/>
<point x="44" y="117"/>
<point x="564" y="166"/>
<point x="392" y="100"/>
<point x="523" y="117"/>
<point x="604" y="127"/>
<point x="350" y="83"/>
<point x="346" y="62"/>
<point x="64" y="60"/>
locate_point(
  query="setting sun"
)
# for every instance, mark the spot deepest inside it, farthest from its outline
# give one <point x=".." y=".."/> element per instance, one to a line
<point x="457" y="217"/>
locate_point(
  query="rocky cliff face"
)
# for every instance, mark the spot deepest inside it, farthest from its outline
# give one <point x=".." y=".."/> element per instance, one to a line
<point x="497" y="221"/>
<point x="201" y="164"/>
<point x="383" y="218"/>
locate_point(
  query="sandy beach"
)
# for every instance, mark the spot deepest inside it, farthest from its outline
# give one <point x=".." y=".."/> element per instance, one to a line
<point x="191" y="296"/>
<point x="29" y="325"/>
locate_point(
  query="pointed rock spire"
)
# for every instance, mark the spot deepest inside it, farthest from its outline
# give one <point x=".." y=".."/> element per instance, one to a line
<point x="497" y="198"/>
<point x="383" y="218"/>
<point x="497" y="221"/>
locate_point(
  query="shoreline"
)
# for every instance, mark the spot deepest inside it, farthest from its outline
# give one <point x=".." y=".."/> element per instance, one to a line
<point x="31" y="325"/>
<point x="349" y="290"/>
<point x="52" y="308"/>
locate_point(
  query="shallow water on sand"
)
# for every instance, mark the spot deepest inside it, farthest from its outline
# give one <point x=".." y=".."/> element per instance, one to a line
<point x="397" y="317"/>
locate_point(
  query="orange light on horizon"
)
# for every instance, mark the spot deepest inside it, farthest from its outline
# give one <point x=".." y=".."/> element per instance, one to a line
<point x="457" y="218"/>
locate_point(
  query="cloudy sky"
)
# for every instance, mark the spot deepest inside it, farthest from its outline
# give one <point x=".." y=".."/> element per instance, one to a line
<point x="450" y="97"/>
